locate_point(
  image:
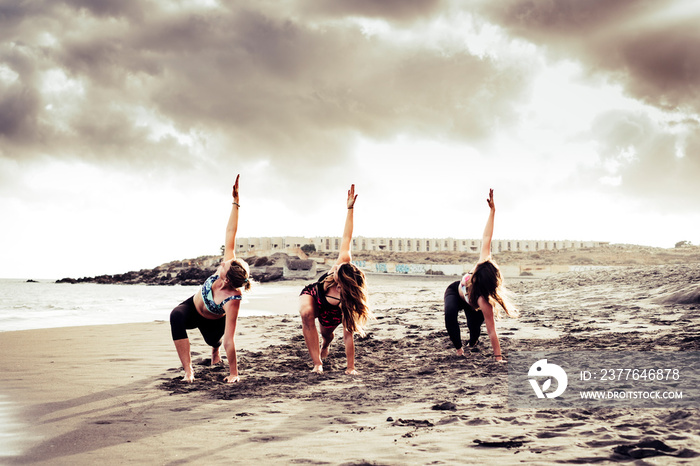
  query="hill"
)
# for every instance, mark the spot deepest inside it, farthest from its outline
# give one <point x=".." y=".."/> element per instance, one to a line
<point x="195" y="271"/>
<point x="609" y="255"/>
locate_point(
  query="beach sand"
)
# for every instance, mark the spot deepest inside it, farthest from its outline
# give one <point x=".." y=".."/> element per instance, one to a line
<point x="113" y="394"/>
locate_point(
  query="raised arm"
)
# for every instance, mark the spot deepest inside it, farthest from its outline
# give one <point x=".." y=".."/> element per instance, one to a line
<point x="346" y="243"/>
<point x="232" y="226"/>
<point x="488" y="230"/>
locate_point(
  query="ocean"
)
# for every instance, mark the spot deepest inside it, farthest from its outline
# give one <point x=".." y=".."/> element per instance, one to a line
<point x="45" y="304"/>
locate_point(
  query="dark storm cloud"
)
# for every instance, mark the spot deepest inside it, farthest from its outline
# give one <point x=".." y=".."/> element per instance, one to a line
<point x="18" y="106"/>
<point x="108" y="8"/>
<point x="19" y="99"/>
<point x="652" y="47"/>
<point x="392" y="10"/>
<point x="263" y="81"/>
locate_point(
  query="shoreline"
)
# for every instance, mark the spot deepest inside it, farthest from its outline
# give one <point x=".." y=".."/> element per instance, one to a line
<point x="84" y="395"/>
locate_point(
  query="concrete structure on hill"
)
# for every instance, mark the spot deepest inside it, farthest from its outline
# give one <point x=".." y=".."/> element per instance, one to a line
<point x="332" y="244"/>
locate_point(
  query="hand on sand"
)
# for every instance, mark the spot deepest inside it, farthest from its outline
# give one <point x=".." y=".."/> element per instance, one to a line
<point x="318" y="369"/>
<point x="351" y="372"/>
<point x="232" y="379"/>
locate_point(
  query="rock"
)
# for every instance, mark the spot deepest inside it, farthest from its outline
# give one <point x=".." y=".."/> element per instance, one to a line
<point x="446" y="406"/>
<point x="267" y="274"/>
<point x="67" y="280"/>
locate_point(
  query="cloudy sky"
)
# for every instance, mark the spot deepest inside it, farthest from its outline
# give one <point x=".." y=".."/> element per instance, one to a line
<point x="124" y="123"/>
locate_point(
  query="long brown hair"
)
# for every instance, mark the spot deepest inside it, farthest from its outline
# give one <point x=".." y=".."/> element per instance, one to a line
<point x="353" y="297"/>
<point x="238" y="274"/>
<point x="486" y="282"/>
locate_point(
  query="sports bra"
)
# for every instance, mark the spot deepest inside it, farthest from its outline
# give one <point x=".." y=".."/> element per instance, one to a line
<point x="208" y="297"/>
<point x="463" y="285"/>
<point x="323" y="299"/>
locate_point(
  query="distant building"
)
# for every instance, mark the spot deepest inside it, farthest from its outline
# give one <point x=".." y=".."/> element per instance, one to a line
<point x="332" y="244"/>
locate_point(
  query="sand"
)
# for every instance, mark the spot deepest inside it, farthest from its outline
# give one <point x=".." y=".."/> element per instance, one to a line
<point x="113" y="394"/>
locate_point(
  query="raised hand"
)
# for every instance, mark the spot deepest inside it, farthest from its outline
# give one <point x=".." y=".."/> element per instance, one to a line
<point x="351" y="196"/>
<point x="235" y="189"/>
<point x="490" y="202"/>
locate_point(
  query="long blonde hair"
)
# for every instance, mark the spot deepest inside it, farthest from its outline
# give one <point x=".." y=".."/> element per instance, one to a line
<point x="486" y="282"/>
<point x="353" y="296"/>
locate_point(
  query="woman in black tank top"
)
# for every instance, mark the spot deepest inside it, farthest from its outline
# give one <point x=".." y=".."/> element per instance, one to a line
<point x="478" y="294"/>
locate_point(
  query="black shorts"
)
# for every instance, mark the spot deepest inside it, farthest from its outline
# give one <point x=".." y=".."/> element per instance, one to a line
<point x="185" y="316"/>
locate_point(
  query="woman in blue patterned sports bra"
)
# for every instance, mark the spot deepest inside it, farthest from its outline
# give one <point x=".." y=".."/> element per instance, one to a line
<point x="477" y="294"/>
<point x="337" y="298"/>
<point x="214" y="308"/>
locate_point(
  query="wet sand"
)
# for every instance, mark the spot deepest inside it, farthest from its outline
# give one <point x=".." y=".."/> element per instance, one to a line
<point x="114" y="393"/>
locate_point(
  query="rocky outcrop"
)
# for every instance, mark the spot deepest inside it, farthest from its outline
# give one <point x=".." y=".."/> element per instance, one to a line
<point x="184" y="272"/>
<point x="194" y="271"/>
<point x="299" y="268"/>
<point x="279" y="266"/>
<point x="158" y="276"/>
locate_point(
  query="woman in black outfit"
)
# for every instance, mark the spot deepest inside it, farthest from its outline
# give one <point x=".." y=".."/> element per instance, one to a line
<point x="480" y="293"/>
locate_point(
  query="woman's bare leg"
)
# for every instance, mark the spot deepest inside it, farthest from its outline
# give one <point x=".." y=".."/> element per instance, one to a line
<point x="183" y="351"/>
<point x="307" y="310"/>
<point x="327" y="336"/>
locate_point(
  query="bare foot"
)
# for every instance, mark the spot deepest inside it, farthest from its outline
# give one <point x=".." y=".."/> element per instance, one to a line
<point x="189" y="375"/>
<point x="232" y="379"/>
<point x="350" y="371"/>
<point x="317" y="368"/>
<point x="460" y="352"/>
<point x="215" y="356"/>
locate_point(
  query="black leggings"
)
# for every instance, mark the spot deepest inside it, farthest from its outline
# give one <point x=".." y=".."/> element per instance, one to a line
<point x="453" y="304"/>
<point x="185" y="316"/>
